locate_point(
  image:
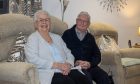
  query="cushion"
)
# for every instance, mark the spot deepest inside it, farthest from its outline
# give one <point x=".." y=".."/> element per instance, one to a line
<point x="106" y="43"/>
<point x="130" y="61"/>
<point x="17" y="52"/>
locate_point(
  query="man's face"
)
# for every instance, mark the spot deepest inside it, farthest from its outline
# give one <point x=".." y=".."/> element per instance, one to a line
<point x="82" y="23"/>
<point x="43" y="22"/>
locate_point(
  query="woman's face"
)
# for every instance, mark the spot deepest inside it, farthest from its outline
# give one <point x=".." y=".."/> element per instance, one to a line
<point x="43" y="22"/>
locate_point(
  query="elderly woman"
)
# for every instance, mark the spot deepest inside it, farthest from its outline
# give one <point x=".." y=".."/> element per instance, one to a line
<point x="50" y="55"/>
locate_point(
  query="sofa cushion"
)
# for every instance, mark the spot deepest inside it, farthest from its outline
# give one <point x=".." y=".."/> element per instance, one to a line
<point x="10" y="26"/>
<point x="107" y="43"/>
<point x="6" y="46"/>
<point x="130" y="61"/>
<point x="17" y="52"/>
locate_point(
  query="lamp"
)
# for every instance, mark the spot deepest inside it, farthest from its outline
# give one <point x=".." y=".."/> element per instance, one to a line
<point x="137" y="45"/>
<point x="139" y="31"/>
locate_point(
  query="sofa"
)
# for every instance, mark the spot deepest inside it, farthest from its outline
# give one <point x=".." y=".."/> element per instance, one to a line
<point x="26" y="73"/>
<point x="10" y="26"/>
<point x="124" y="67"/>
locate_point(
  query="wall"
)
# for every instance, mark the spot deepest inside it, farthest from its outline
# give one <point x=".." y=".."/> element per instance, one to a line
<point x="125" y="22"/>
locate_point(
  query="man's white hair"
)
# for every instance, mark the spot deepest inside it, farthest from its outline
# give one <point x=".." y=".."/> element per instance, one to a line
<point x="84" y="13"/>
<point x="40" y="12"/>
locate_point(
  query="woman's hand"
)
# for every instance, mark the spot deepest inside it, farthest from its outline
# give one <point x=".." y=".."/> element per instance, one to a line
<point x="64" y="67"/>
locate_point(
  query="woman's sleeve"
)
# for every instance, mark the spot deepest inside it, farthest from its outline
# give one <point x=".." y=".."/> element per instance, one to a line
<point x="32" y="53"/>
<point x="69" y="56"/>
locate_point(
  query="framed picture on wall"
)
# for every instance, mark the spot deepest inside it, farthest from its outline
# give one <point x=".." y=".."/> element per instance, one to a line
<point x="26" y="7"/>
<point x="4" y="7"/>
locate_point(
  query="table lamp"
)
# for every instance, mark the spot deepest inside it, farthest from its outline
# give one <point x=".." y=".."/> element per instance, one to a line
<point x="139" y="31"/>
<point x="138" y="43"/>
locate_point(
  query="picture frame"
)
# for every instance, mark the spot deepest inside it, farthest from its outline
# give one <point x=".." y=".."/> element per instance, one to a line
<point x="4" y="6"/>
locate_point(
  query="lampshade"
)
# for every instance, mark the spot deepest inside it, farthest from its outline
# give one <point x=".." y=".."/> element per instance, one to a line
<point x="139" y="31"/>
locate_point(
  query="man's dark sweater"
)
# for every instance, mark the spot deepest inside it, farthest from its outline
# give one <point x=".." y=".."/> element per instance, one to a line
<point x="86" y="50"/>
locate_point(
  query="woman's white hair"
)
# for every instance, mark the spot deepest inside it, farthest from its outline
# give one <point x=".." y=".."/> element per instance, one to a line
<point x="40" y="12"/>
<point x="84" y="13"/>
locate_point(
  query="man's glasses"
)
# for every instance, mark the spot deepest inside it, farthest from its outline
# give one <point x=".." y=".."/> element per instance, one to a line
<point x="44" y="20"/>
<point x="83" y="21"/>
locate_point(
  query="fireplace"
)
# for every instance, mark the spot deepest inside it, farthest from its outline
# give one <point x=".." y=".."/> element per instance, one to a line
<point x="4" y="6"/>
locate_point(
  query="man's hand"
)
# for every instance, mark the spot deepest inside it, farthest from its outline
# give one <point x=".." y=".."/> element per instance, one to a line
<point x="83" y="64"/>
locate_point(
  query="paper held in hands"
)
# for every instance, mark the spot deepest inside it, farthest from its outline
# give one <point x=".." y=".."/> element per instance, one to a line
<point x="78" y="68"/>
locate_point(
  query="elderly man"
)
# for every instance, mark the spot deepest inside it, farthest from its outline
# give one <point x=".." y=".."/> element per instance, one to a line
<point x="85" y="50"/>
<point x="49" y="53"/>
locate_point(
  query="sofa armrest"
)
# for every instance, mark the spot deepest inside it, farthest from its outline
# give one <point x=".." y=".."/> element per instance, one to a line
<point x="18" y="72"/>
<point x="130" y="52"/>
<point x="111" y="61"/>
<point x="110" y="58"/>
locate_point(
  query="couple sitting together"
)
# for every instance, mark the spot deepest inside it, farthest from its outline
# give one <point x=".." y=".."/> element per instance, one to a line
<point x="72" y="59"/>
